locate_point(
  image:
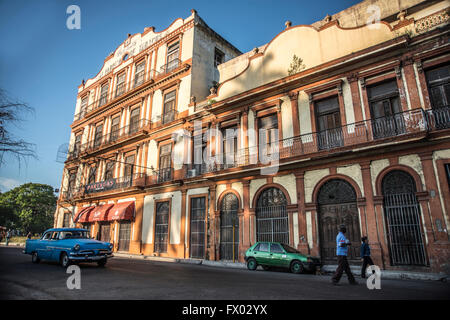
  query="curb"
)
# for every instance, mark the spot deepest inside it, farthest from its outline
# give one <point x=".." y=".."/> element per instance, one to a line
<point x="12" y="244"/>
<point x="395" y="275"/>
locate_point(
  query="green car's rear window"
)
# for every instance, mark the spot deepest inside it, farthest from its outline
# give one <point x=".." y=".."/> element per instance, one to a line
<point x="264" y="247"/>
<point x="276" y="248"/>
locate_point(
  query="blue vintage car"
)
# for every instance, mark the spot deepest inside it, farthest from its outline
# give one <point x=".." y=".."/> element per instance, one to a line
<point x="68" y="245"/>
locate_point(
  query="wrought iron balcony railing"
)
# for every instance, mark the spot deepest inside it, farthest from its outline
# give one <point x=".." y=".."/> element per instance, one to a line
<point x="352" y="135"/>
<point x="111" y="138"/>
<point x="170" y="66"/>
<point x="139" y="180"/>
<point x="118" y="91"/>
<point x="439" y="118"/>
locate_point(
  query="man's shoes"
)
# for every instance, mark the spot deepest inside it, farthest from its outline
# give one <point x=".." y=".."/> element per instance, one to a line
<point x="354" y="283"/>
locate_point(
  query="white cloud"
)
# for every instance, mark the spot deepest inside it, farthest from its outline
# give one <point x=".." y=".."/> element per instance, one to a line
<point x="7" y="184"/>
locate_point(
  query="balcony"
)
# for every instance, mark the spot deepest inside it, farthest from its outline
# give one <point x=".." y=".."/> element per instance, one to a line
<point x="116" y="136"/>
<point x="170" y="66"/>
<point x="136" y="181"/>
<point x="120" y="90"/>
<point x="165" y="118"/>
<point x="370" y="132"/>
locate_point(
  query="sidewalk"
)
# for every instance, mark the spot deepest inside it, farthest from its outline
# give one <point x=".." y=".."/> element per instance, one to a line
<point x="328" y="269"/>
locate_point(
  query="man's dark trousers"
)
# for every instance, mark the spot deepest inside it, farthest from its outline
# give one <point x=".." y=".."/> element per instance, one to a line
<point x="367" y="261"/>
<point x="343" y="266"/>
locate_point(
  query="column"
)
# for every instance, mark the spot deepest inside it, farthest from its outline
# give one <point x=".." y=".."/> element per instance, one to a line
<point x="293" y="96"/>
<point x="246" y="216"/>
<point x="410" y="78"/>
<point x="356" y="99"/>
<point x="434" y="199"/>
<point x="370" y="219"/>
<point x="136" y="243"/>
<point x="302" y="227"/>
<point x="183" y="222"/>
<point x="211" y="250"/>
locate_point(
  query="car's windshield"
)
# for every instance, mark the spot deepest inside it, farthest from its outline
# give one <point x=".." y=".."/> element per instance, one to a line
<point x="74" y="234"/>
<point x="289" y="249"/>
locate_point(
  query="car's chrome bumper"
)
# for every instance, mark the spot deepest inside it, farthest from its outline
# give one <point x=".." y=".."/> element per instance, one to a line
<point x="80" y="257"/>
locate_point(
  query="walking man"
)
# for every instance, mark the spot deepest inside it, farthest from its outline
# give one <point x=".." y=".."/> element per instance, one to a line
<point x="341" y="251"/>
<point x="365" y="256"/>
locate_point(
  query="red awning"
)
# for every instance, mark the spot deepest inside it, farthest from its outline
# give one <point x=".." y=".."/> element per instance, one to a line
<point x="100" y="213"/>
<point x="122" y="211"/>
<point x="83" y="215"/>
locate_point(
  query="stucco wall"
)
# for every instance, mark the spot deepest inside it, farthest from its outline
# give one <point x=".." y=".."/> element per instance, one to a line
<point x="175" y="217"/>
<point x="311" y="179"/>
<point x="289" y="183"/>
<point x="353" y="171"/>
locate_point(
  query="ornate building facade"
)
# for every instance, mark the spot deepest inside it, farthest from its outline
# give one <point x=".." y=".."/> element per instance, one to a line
<point x="184" y="147"/>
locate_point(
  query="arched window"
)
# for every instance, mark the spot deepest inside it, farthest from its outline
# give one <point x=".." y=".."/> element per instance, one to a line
<point x="403" y="223"/>
<point x="272" y="222"/>
<point x="229" y="227"/>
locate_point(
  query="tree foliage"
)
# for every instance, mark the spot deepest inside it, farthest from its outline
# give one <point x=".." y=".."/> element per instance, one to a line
<point x="29" y="207"/>
<point x="11" y="113"/>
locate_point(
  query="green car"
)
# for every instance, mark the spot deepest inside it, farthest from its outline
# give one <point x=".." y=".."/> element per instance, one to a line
<point x="276" y="254"/>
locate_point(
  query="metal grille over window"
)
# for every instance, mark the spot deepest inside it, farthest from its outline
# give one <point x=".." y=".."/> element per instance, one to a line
<point x="134" y="120"/>
<point x="120" y="87"/>
<point x="197" y="226"/>
<point x="140" y="73"/>
<point x="98" y="136"/>
<point x="229" y="228"/>
<point x="404" y="230"/>
<point x="124" y="236"/>
<point x="104" y="95"/>
<point x="169" y="107"/>
<point x="161" y="226"/>
<point x="172" y="57"/>
<point x="115" y="129"/>
<point x="165" y="163"/>
<point x="272" y="221"/>
<point x="219" y="57"/>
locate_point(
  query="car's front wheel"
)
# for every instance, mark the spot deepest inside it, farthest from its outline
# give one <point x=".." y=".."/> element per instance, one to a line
<point x="35" y="257"/>
<point x="251" y="264"/>
<point x="101" y="263"/>
<point x="296" y="267"/>
<point x="64" y="260"/>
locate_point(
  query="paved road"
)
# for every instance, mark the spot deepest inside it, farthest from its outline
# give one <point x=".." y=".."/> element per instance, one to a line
<point x="142" y="279"/>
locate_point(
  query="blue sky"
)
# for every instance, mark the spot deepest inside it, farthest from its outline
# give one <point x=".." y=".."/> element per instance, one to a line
<point x="42" y="62"/>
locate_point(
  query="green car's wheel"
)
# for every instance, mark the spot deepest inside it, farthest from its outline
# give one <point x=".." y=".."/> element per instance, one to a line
<point x="64" y="260"/>
<point x="101" y="263"/>
<point x="251" y="264"/>
<point x="296" y="267"/>
<point x="35" y="257"/>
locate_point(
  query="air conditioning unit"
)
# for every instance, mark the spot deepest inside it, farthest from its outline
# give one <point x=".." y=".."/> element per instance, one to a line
<point x="192" y="173"/>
